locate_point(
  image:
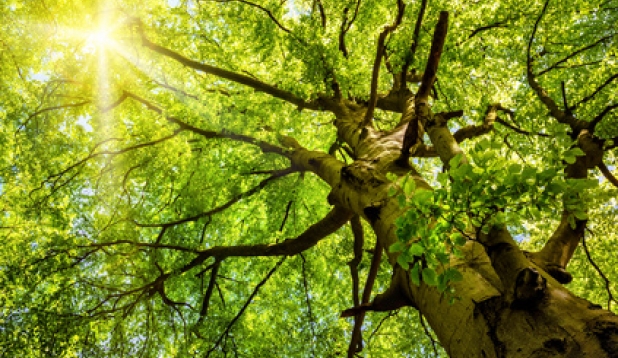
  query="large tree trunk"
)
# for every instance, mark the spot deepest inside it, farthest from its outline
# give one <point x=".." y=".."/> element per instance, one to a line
<point x="483" y="322"/>
<point x="507" y="306"/>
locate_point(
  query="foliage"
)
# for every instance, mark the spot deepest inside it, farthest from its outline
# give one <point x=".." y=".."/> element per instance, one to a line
<point x="107" y="201"/>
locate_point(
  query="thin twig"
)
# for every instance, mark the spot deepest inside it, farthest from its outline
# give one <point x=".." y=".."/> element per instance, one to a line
<point x="610" y="297"/>
<point x="427" y="333"/>
<point x="244" y="307"/>
<point x="312" y="321"/>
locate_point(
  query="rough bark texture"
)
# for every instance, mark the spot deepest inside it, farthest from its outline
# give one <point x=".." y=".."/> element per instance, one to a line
<point x="508" y="306"/>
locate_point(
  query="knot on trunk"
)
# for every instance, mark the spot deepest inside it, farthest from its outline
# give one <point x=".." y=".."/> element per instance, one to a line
<point x="553" y="269"/>
<point x="559" y="273"/>
<point x="360" y="174"/>
<point x="530" y="289"/>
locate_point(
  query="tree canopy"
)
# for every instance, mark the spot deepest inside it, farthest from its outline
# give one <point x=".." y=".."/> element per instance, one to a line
<point x="227" y="177"/>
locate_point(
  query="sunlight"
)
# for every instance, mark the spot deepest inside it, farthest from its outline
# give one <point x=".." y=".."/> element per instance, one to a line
<point x="100" y="37"/>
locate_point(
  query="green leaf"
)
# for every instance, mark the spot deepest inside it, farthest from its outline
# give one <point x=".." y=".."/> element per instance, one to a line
<point x="417" y="249"/>
<point x="514" y="168"/>
<point x="443" y="178"/>
<point x="430" y="277"/>
<point x="454" y="162"/>
<point x="453" y="275"/>
<point x="423" y="197"/>
<point x="442" y="283"/>
<point x="403" y="262"/>
<point x="397" y="247"/>
<point x="578" y="152"/>
<point x="458" y="239"/>
<point x="442" y="257"/>
<point x="409" y="186"/>
<point x="415" y="274"/>
<point x="580" y="215"/>
<point x="571" y="220"/>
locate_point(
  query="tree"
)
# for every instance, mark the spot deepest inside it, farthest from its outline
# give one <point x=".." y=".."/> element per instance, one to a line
<point x="228" y="177"/>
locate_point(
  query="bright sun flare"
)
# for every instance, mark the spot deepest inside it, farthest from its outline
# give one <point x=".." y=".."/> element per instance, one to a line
<point x="99" y="38"/>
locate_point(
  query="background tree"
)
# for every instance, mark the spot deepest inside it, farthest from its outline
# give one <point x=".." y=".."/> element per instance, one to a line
<point x="213" y="178"/>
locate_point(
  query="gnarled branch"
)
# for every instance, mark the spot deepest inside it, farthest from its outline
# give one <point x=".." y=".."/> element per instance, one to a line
<point x="336" y="218"/>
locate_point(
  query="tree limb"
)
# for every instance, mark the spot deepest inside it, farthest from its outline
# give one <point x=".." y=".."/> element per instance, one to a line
<point x="336" y="218"/>
<point x="610" y="296"/>
<point x="220" y="208"/>
<point x="209" y="289"/>
<point x="264" y="146"/>
<point x="431" y="68"/>
<point x="599" y="117"/>
<point x="345" y="27"/>
<point x="414" y="45"/>
<point x="373" y="97"/>
<point x="359" y="240"/>
<point x="248" y="81"/>
<point x="594" y="93"/>
<point x="321" y="10"/>
<point x="422" y="113"/>
<point x="244" y="307"/>
<point x="608" y="175"/>
<point x="356" y="342"/>
<point x="487" y="27"/>
<point x="519" y="130"/>
<point x="263" y="9"/>
<point x="574" y="53"/>
<point x="540" y="92"/>
<point x="53" y="108"/>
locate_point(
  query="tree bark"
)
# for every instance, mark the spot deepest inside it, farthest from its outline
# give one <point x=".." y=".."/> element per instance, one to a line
<point x="506" y="305"/>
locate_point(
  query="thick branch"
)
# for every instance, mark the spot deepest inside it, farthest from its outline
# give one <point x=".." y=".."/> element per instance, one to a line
<point x="411" y="135"/>
<point x="373" y="98"/>
<point x="359" y="239"/>
<point x="211" y="285"/>
<point x="431" y="68"/>
<point x="607" y="174"/>
<point x="359" y="311"/>
<point x="345" y="27"/>
<point x="559" y="249"/>
<point x="422" y="112"/>
<point x="472" y="131"/>
<point x="228" y="75"/>
<point x="264" y="146"/>
<point x="336" y="218"/>
<point x="321" y="10"/>
<point x="414" y="45"/>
